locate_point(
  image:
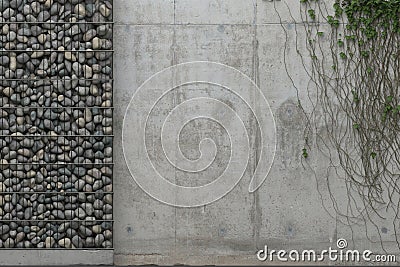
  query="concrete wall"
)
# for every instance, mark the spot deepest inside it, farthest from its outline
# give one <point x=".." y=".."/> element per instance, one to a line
<point x="287" y="210"/>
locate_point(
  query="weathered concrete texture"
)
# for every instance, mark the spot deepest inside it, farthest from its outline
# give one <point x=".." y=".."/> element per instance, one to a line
<point x="144" y="12"/>
<point x="287" y="212"/>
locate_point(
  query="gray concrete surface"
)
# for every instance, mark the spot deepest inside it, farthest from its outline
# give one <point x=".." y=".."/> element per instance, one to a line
<point x="56" y="257"/>
<point x="287" y="211"/>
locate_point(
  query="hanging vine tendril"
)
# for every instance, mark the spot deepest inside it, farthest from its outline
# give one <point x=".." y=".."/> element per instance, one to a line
<point x="353" y="49"/>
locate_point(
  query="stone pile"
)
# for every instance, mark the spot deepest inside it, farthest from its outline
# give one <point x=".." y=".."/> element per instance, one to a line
<point x="56" y="124"/>
<point x="49" y="220"/>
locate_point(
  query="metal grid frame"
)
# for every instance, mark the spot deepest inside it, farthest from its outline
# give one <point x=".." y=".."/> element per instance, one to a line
<point x="63" y="164"/>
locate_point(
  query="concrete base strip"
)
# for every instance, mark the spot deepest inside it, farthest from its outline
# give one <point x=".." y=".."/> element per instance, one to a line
<point x="56" y="257"/>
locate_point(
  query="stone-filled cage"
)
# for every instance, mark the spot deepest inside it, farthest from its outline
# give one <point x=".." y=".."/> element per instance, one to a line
<point x="56" y="132"/>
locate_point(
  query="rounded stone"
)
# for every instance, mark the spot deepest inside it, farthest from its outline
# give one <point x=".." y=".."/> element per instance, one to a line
<point x="8" y="13"/>
<point x="77" y="241"/>
<point x="87" y="72"/>
<point x="8" y="207"/>
<point x="96" y="43"/>
<point x="80" y="10"/>
<point x="89" y="35"/>
<point x="49" y="242"/>
<point x="4" y="229"/>
<point x="96" y="229"/>
<point x="108" y="234"/>
<point x="99" y="239"/>
<point x="8" y="91"/>
<point x="3" y="166"/>
<point x="9" y="243"/>
<point x="13" y="63"/>
<point x="65" y="243"/>
<point x="43" y="16"/>
<point x="104" y="10"/>
<point x="42" y="38"/>
<point x="108" y="199"/>
<point x="88" y="208"/>
<point x="23" y="58"/>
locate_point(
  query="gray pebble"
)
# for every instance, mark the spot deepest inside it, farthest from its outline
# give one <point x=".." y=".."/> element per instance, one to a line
<point x="99" y="239"/>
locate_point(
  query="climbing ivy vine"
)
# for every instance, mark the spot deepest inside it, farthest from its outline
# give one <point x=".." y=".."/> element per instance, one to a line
<point x="353" y="47"/>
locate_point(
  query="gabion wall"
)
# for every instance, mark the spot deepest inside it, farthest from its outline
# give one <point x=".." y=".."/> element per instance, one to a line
<point x="56" y="124"/>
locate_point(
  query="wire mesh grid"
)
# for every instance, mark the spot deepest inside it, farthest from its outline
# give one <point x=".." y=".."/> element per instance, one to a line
<point x="56" y="124"/>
